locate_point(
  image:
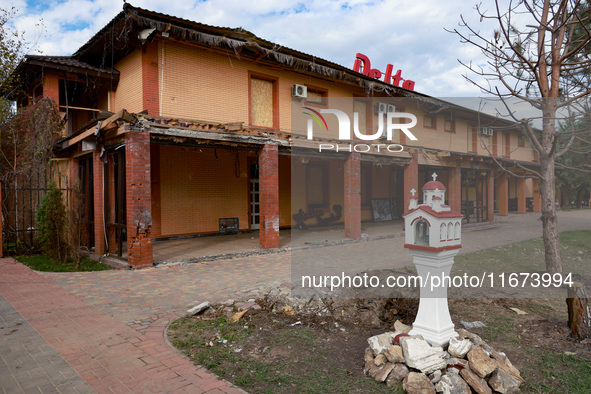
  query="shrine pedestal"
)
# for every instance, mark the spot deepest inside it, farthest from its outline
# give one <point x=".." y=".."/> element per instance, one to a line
<point x="433" y="320"/>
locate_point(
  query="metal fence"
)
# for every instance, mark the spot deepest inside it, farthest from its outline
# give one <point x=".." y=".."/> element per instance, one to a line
<point x="21" y="197"/>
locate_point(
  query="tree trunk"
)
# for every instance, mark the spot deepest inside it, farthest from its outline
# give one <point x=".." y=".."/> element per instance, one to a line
<point x="549" y="218"/>
<point x="579" y="198"/>
<point x="579" y="314"/>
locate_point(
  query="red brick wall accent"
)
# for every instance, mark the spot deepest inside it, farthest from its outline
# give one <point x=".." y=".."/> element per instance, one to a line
<point x="1" y="227"/>
<point x="491" y="196"/>
<point x="111" y="235"/>
<point x="503" y="185"/>
<point x="353" y="196"/>
<point x="99" y="228"/>
<point x="150" y="89"/>
<point x="537" y="196"/>
<point x="138" y="199"/>
<point x="269" y="196"/>
<point x="51" y="87"/>
<point x="411" y="179"/>
<point x="521" y="195"/>
<point x="454" y="188"/>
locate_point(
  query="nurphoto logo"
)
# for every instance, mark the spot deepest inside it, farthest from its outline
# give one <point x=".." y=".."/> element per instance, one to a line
<point x="387" y="128"/>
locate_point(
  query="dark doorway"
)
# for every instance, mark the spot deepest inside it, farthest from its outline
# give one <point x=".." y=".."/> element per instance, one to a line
<point x="474" y="195"/>
<point x="86" y="179"/>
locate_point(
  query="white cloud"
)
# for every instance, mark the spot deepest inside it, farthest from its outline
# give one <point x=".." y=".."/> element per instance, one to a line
<point x="406" y="33"/>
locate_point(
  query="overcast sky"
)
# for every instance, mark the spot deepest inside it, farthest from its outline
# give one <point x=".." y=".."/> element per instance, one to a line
<point x="408" y="34"/>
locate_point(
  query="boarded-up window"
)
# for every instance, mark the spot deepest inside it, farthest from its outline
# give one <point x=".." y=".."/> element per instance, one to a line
<point x="261" y="102"/>
<point x="430" y="121"/>
<point x="316" y="97"/>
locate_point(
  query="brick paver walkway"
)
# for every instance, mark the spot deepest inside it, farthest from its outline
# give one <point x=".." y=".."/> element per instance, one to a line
<point x="109" y="326"/>
<point x="106" y="353"/>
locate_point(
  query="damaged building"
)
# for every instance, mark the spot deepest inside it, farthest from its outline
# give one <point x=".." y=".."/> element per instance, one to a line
<point x="177" y="129"/>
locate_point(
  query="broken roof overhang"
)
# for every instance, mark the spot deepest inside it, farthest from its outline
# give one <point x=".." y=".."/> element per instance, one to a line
<point x="32" y="65"/>
<point x="178" y="129"/>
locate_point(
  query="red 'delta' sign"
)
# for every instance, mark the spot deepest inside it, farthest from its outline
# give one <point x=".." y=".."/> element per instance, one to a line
<point x="361" y="59"/>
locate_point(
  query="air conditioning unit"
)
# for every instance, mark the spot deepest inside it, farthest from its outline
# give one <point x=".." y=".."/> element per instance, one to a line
<point x="391" y="108"/>
<point x="486" y="131"/>
<point x="299" y="91"/>
<point x="380" y="108"/>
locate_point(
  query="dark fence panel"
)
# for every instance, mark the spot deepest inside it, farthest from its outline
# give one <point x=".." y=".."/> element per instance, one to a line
<point x="20" y="200"/>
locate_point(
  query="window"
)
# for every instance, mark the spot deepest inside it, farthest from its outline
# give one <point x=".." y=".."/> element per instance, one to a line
<point x="449" y="125"/>
<point x="474" y="137"/>
<point x="430" y="121"/>
<point x="263" y="102"/>
<point x="495" y="144"/>
<point x="422" y="232"/>
<point x="507" y="144"/>
<point x="521" y="141"/>
<point x="317" y="186"/>
<point x="317" y="96"/>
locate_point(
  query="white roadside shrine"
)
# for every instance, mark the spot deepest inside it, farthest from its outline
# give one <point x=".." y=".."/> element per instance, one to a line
<point x="433" y="237"/>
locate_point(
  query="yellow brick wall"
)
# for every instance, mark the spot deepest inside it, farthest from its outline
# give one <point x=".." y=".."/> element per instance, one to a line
<point x="129" y="90"/>
<point x="197" y="189"/>
<point x="208" y="86"/>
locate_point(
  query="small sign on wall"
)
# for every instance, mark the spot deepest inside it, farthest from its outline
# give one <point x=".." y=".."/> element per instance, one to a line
<point x="229" y="226"/>
<point x="380" y="209"/>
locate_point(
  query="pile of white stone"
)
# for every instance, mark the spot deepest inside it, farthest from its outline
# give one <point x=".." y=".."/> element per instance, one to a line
<point x="467" y="364"/>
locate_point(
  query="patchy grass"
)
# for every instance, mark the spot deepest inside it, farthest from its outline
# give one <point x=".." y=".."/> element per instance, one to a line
<point x="263" y="353"/>
<point x="563" y="373"/>
<point x="47" y="264"/>
<point x="528" y="257"/>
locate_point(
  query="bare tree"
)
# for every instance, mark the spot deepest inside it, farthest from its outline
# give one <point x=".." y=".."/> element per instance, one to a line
<point x="534" y="55"/>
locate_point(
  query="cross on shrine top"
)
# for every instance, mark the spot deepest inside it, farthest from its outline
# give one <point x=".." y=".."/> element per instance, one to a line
<point x="413" y="191"/>
<point x="434" y="176"/>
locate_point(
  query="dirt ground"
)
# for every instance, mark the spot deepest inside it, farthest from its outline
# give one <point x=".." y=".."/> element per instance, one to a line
<point x="280" y="350"/>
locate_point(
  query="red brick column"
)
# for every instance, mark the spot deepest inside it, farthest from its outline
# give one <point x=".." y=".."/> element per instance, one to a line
<point x="269" y="196"/>
<point x="503" y="185"/>
<point x="490" y="203"/>
<point x="110" y="203"/>
<point x="521" y="208"/>
<point x="411" y="179"/>
<point x="537" y="196"/>
<point x="138" y="199"/>
<point x="455" y="187"/>
<point x="1" y="226"/>
<point x="353" y="196"/>
<point x="150" y="97"/>
<point x="99" y="224"/>
<point x="51" y="87"/>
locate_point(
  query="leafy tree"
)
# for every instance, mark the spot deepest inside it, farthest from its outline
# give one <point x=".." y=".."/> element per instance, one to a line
<point x="52" y="224"/>
<point x="12" y="48"/>
<point x="532" y="56"/>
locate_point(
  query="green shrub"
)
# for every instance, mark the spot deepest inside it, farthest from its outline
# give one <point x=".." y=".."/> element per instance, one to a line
<point x="52" y="223"/>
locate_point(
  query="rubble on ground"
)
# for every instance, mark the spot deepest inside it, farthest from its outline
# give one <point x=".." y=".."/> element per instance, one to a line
<point x="468" y="364"/>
